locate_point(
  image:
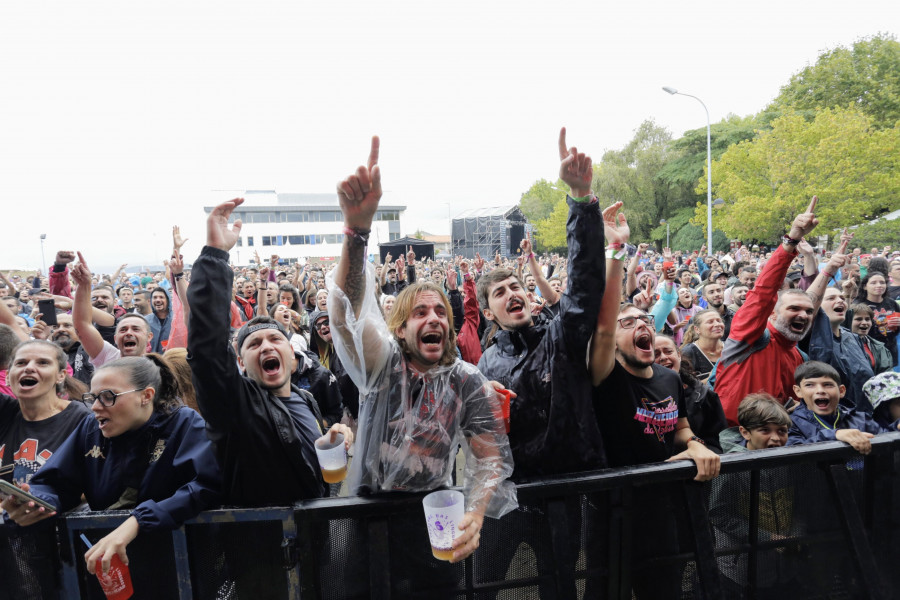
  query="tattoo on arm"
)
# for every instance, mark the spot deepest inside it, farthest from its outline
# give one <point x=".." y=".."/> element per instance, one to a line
<point x="354" y="284"/>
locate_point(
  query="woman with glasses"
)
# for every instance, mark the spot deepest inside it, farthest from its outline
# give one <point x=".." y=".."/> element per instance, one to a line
<point x="143" y="451"/>
<point x="34" y="423"/>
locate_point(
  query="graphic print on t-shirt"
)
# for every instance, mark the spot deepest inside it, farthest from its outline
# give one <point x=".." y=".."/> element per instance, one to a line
<point x="660" y="416"/>
<point x="27" y="459"/>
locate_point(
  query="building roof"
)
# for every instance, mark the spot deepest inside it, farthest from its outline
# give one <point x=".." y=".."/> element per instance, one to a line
<point x="489" y="211"/>
<point x="269" y="200"/>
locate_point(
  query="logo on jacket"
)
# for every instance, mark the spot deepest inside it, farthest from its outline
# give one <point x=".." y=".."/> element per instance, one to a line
<point x="158" y="450"/>
<point x="95" y="452"/>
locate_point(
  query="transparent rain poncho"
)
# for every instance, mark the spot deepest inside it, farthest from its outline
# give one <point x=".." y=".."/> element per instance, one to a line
<point x="411" y="423"/>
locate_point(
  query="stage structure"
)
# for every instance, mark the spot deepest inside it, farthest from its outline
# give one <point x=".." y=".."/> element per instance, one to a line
<point x="489" y="230"/>
<point x="423" y="248"/>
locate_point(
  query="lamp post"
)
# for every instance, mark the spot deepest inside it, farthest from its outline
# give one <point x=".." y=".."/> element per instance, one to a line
<point x="43" y="262"/>
<point x="666" y="223"/>
<point x="673" y="91"/>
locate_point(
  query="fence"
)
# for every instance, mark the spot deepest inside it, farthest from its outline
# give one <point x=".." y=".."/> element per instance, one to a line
<point x="802" y="522"/>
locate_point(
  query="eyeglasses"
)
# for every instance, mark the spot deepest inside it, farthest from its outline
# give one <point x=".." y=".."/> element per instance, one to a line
<point x="107" y="397"/>
<point x="630" y="322"/>
<point x="321" y="324"/>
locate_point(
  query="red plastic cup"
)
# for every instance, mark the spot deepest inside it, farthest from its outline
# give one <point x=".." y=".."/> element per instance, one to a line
<point x="116" y="584"/>
<point x="504" y="407"/>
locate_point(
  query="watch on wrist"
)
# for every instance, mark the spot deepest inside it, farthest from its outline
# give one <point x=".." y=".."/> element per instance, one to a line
<point x="790" y="241"/>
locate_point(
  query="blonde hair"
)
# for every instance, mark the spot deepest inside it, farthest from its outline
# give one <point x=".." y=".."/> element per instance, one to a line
<point x="403" y="307"/>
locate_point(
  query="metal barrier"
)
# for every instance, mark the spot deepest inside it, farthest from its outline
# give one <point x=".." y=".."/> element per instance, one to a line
<point x="800" y="522"/>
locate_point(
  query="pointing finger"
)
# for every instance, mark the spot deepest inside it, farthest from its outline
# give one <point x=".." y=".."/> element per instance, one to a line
<point x="373" y="153"/>
<point x="812" y="204"/>
<point x="563" y="151"/>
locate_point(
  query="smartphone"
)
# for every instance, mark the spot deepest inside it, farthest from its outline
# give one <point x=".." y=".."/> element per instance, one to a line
<point x="8" y="489"/>
<point x="48" y="312"/>
<point x="631" y="250"/>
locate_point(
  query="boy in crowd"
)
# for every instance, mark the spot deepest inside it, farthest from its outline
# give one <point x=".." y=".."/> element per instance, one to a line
<point x="820" y="419"/>
<point x="762" y="423"/>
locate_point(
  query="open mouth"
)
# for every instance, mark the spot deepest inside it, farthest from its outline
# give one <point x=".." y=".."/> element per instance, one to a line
<point x="798" y="325"/>
<point x="644" y="342"/>
<point x="515" y="306"/>
<point x="129" y="344"/>
<point x="102" y="422"/>
<point x="27" y="382"/>
<point x="821" y="403"/>
<point x="432" y="338"/>
<point x="271" y="365"/>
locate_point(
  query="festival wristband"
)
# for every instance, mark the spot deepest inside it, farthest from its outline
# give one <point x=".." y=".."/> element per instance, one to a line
<point x="616" y="254"/>
<point x="584" y="199"/>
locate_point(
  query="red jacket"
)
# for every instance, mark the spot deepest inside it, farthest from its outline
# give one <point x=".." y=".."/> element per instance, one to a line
<point x="468" y="340"/>
<point x="751" y="360"/>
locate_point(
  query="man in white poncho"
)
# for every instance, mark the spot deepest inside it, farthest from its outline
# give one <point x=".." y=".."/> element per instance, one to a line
<point x="417" y="399"/>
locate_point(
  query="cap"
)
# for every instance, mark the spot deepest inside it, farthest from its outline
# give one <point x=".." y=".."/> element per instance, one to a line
<point x="884" y="387"/>
<point x="247" y="329"/>
<point x="316" y="315"/>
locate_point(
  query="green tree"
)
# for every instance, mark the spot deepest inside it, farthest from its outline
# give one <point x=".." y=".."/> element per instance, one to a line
<point x="550" y="233"/>
<point x="866" y="76"/>
<point x="881" y="233"/>
<point x="852" y="167"/>
<point x="538" y="204"/>
<point x="632" y="175"/>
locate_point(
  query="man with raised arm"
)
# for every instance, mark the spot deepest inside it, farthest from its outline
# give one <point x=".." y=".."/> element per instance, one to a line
<point x="418" y="401"/>
<point x="760" y="354"/>
<point x="264" y="429"/>
<point x="552" y="429"/>
<point x="132" y="332"/>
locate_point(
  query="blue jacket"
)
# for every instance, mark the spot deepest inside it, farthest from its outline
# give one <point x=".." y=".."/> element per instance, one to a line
<point x="845" y="354"/>
<point x="806" y="429"/>
<point x="169" y="462"/>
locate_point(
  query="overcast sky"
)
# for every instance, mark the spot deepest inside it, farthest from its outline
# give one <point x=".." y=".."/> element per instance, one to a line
<point x="119" y="119"/>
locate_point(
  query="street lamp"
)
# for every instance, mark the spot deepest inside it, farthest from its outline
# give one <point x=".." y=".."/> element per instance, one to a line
<point x="666" y="223"/>
<point x="673" y="91"/>
<point x="43" y="262"/>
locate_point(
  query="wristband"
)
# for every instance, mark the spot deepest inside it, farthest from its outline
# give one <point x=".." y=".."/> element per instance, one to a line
<point x="590" y="198"/>
<point x="790" y="241"/>
<point x="615" y="246"/>
<point x="830" y="275"/>
<point x="613" y="254"/>
<point x="360" y="235"/>
<point x="177" y="276"/>
<point x="530" y="256"/>
<point x="694" y="438"/>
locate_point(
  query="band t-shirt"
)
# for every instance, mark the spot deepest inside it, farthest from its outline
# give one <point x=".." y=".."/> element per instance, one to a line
<point x="29" y="444"/>
<point x="638" y="416"/>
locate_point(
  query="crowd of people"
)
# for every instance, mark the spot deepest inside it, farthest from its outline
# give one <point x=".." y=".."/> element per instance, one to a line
<point x="169" y="393"/>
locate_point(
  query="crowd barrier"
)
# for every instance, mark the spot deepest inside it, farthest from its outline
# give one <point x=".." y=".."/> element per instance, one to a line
<point x="802" y="522"/>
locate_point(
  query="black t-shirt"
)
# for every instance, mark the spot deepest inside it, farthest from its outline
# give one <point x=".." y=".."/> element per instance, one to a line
<point x="31" y="443"/>
<point x="637" y="416"/>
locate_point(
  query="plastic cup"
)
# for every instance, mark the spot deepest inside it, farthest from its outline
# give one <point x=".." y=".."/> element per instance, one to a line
<point x="504" y="407"/>
<point x="332" y="458"/>
<point x="444" y="510"/>
<point x="116" y="583"/>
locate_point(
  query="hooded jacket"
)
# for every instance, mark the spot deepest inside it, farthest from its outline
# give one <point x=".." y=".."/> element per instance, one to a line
<point x="257" y="444"/>
<point x="322" y="384"/>
<point x="844" y="353"/>
<point x="552" y="424"/>
<point x="808" y="429"/>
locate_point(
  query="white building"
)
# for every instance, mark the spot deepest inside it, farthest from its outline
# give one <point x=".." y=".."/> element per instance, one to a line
<point x="300" y="226"/>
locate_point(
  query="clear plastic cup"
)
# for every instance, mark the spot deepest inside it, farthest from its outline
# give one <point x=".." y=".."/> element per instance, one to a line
<point x="444" y="510"/>
<point x="332" y="458"/>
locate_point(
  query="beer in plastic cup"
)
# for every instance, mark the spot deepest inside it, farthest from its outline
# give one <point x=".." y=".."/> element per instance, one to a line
<point x="116" y="583"/>
<point x="444" y="510"/>
<point x="332" y="458"/>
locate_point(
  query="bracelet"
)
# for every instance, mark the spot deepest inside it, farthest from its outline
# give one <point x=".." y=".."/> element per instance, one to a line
<point x="613" y="254"/>
<point x="177" y="276"/>
<point x="615" y="246"/>
<point x="590" y="198"/>
<point x="530" y="256"/>
<point x="830" y="275"/>
<point x="790" y="241"/>
<point x="694" y="438"/>
<point x="355" y="233"/>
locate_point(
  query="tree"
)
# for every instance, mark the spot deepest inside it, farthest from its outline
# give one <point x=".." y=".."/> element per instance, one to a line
<point x="632" y="176"/>
<point x="690" y="238"/>
<point x="853" y="168"/>
<point x="881" y="233"/>
<point x="550" y="233"/>
<point x="866" y="76"/>
<point x="538" y="204"/>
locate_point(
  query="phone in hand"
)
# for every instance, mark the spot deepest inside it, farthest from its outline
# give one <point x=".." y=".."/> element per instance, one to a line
<point x="48" y="312"/>
<point x="21" y="496"/>
<point x="631" y="249"/>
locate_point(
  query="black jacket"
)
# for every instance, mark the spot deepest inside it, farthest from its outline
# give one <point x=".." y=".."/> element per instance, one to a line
<point x="552" y="424"/>
<point x="257" y="444"/>
<point x="80" y="361"/>
<point x="704" y="413"/>
<point x="311" y="376"/>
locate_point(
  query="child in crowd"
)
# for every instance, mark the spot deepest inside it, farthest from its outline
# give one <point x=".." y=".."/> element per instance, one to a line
<point x="883" y="392"/>
<point x="820" y="419"/>
<point x="763" y="423"/>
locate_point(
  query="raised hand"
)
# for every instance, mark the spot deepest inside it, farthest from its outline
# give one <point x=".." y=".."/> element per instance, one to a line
<point x="218" y="233"/>
<point x="804" y="247"/>
<point x="667" y="254"/>
<point x="464" y="267"/>
<point x="615" y="226"/>
<point x="176" y="264"/>
<point x="81" y="274"/>
<point x="388" y="258"/>
<point x="410" y="256"/>
<point x="451" y="278"/>
<point x="360" y="193"/>
<point x="846" y="238"/>
<point x="644" y="299"/>
<point x="263" y="273"/>
<point x="525" y="245"/>
<point x="575" y="168"/>
<point x="64" y="257"/>
<point x="273" y="260"/>
<point x="177" y="240"/>
<point x="805" y="222"/>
